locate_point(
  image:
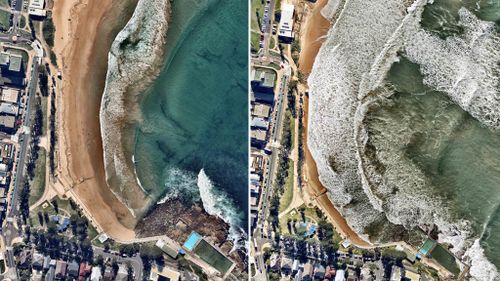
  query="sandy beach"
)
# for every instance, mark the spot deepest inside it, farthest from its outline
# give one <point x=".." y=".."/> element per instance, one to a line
<point x="316" y="28"/>
<point x="85" y="30"/>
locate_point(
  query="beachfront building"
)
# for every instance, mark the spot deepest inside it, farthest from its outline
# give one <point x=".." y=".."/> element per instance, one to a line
<point x="263" y="82"/>
<point x="12" y="69"/>
<point x="10" y="95"/>
<point x="285" y="28"/>
<point x="36" y="8"/>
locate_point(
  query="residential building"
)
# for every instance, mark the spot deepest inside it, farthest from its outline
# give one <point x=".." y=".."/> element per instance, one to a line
<point x="122" y="274"/>
<point x="50" y="274"/>
<point x="340" y="275"/>
<point x="24" y="260"/>
<point x="108" y="274"/>
<point x="8" y="109"/>
<point x="259" y="123"/>
<point x="285" y="27"/>
<point x="46" y="262"/>
<point x="61" y="267"/>
<point x="274" y="262"/>
<point x="37" y="257"/>
<point x="73" y="269"/>
<point x="286" y="265"/>
<point x="85" y="271"/>
<point x="96" y="274"/>
<point x="319" y="271"/>
<point x="261" y="110"/>
<point x="258" y="138"/>
<point x="308" y="272"/>
<point x="10" y="95"/>
<point x="263" y="81"/>
<point x="167" y="249"/>
<point x="412" y="276"/>
<point x="396" y="273"/>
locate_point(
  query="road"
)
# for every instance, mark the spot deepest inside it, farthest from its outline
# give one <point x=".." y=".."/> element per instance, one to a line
<point x="135" y="262"/>
<point x="260" y="235"/>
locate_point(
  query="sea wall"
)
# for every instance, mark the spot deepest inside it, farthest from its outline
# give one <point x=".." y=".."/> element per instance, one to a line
<point x="135" y="59"/>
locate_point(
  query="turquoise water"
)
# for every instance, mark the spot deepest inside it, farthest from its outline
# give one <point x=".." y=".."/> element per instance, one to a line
<point x="457" y="156"/>
<point x="195" y="114"/>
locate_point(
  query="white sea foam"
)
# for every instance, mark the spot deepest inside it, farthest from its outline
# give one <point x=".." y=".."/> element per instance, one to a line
<point x="129" y="70"/>
<point x="481" y="269"/>
<point x="218" y="203"/>
<point x="346" y="79"/>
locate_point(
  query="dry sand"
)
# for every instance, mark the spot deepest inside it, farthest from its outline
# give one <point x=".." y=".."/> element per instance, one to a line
<point x="316" y="28"/>
<point x="85" y="30"/>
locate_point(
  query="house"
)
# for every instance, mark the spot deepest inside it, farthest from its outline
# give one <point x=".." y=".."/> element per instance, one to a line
<point x="340" y="275"/>
<point x="8" y="109"/>
<point x="46" y="262"/>
<point x="166" y="273"/>
<point x="412" y="276"/>
<point x="10" y="95"/>
<point x="274" y="262"/>
<point x="122" y="274"/>
<point x="37" y="261"/>
<point x="285" y="27"/>
<point x="329" y="272"/>
<point x="295" y="266"/>
<point x="167" y="249"/>
<point x="261" y="110"/>
<point x="61" y="267"/>
<point x="36" y="275"/>
<point x="319" y="271"/>
<point x="258" y="138"/>
<point x="286" y="265"/>
<point x="50" y="274"/>
<point x="259" y="123"/>
<point x="298" y="276"/>
<point x="96" y="274"/>
<point x="73" y="269"/>
<point x="396" y="273"/>
<point x="8" y="124"/>
<point x="308" y="272"/>
<point x="12" y="69"/>
<point x="24" y="260"/>
<point x="85" y="271"/>
<point x="108" y="274"/>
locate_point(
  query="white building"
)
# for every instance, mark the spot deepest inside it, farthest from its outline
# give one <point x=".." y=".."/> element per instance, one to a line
<point x="285" y="28"/>
<point x="36" y="8"/>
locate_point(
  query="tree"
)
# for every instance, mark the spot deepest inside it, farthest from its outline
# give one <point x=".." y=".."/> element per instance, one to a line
<point x="40" y="218"/>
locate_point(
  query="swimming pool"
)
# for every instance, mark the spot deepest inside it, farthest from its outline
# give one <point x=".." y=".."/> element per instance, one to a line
<point x="192" y="241"/>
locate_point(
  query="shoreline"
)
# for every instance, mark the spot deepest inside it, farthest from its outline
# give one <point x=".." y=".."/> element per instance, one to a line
<point x="83" y="63"/>
<point x="316" y="28"/>
<point x="129" y="74"/>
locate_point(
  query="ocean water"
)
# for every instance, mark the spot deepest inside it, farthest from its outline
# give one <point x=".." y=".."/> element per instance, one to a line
<point x="455" y="155"/>
<point x="410" y="120"/>
<point x="192" y="140"/>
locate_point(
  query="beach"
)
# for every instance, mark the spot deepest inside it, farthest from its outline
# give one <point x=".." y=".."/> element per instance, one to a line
<point x="84" y="32"/>
<point x="316" y="28"/>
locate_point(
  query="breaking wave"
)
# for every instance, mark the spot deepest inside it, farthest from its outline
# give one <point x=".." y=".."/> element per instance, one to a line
<point x="348" y="79"/>
<point x="217" y="203"/>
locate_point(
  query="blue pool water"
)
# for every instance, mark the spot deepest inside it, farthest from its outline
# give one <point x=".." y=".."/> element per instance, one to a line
<point x="192" y="241"/>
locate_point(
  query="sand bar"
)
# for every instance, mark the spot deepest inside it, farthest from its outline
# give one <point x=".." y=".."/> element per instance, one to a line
<point x="85" y="30"/>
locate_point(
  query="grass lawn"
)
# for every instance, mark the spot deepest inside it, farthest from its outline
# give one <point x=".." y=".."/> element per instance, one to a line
<point x="4" y="20"/>
<point x="4" y="3"/>
<point x="254" y="39"/>
<point x="286" y="197"/>
<point x="38" y="185"/>
<point x="272" y="44"/>
<point x="257" y="6"/>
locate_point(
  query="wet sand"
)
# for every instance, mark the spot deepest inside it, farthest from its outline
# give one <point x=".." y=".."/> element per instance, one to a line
<point x="315" y="29"/>
<point x="85" y="30"/>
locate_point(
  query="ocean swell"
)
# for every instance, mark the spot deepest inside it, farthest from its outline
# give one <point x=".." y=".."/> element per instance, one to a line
<point x="134" y="61"/>
<point x="348" y="81"/>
